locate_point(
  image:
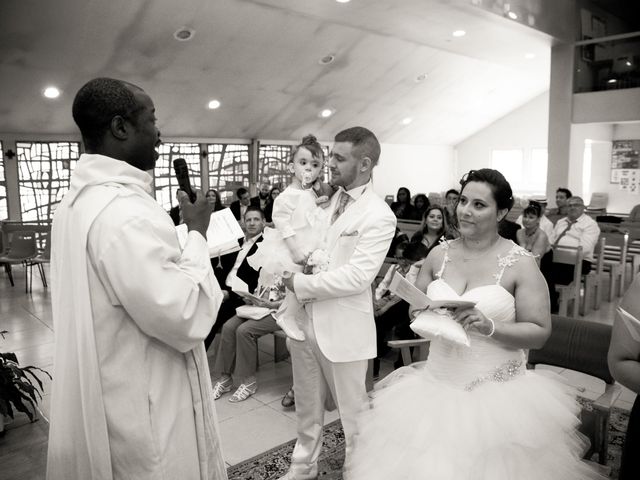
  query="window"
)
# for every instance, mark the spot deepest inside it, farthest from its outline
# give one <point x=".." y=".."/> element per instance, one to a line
<point x="527" y="174"/>
<point x="165" y="179"/>
<point x="272" y="164"/>
<point x="4" y="212"/>
<point x="44" y="170"/>
<point x="228" y="169"/>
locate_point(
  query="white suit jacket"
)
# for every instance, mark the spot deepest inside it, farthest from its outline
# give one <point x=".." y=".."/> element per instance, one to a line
<point x="340" y="298"/>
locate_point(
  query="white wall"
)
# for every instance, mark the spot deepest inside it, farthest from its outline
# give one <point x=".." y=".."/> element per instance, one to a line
<point x="524" y="128"/>
<point x="420" y="168"/>
<point x="601" y="137"/>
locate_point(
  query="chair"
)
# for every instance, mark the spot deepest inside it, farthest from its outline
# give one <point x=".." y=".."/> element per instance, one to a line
<point x="593" y="280"/>
<point x="569" y="293"/>
<point x="42" y="258"/>
<point x="615" y="259"/>
<point x="21" y="250"/>
<point x="582" y="346"/>
<point x="598" y="203"/>
<point x="405" y="347"/>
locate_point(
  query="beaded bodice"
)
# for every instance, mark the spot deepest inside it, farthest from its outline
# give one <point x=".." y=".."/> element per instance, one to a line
<point x="486" y="359"/>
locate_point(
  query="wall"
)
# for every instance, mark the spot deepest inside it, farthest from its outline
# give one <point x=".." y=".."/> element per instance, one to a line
<point x="619" y="201"/>
<point x="420" y="168"/>
<point x="525" y="128"/>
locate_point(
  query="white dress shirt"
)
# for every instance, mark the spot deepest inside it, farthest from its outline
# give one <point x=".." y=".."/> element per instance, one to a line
<point x="584" y="233"/>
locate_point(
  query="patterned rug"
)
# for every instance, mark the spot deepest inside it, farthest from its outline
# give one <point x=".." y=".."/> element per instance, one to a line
<point x="274" y="463"/>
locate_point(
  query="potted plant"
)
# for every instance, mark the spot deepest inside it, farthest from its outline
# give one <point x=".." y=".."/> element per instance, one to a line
<point x="17" y="388"/>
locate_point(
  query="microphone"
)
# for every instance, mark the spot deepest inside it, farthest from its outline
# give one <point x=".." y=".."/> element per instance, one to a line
<point x="182" y="175"/>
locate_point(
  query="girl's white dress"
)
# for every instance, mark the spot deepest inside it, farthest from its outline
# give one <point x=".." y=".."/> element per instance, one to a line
<point x="471" y="413"/>
<point x="294" y="213"/>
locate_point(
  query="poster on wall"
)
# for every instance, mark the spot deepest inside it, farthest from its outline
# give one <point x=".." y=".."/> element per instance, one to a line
<point x="625" y="154"/>
<point x="629" y="181"/>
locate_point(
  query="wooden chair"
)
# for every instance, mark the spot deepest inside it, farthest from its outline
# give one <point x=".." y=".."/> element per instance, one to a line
<point x="43" y="257"/>
<point x="22" y="250"/>
<point x="593" y="280"/>
<point x="409" y="227"/>
<point x="569" y="293"/>
<point x="582" y="346"/>
<point x="615" y="259"/>
<point x="405" y="346"/>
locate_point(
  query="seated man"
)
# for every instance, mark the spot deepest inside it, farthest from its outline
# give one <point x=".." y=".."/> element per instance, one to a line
<point x="546" y="225"/>
<point x="574" y="230"/>
<point x="236" y="350"/>
<point x="239" y="206"/>
<point x="231" y="268"/>
<point x="561" y="210"/>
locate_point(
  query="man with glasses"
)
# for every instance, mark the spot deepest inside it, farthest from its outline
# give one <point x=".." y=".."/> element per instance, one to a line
<point x="574" y="230"/>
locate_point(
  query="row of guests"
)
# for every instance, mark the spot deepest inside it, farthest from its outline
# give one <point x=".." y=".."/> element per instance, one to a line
<point x="264" y="200"/>
<point x="404" y="209"/>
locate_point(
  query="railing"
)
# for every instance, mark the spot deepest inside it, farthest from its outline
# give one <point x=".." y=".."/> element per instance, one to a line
<point x="607" y="63"/>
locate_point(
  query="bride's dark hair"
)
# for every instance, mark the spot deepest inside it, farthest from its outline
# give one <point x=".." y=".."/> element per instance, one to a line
<point x="310" y="143"/>
<point x="502" y="193"/>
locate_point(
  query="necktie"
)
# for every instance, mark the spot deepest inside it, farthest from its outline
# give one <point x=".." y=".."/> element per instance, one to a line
<point x="564" y="232"/>
<point x="343" y="201"/>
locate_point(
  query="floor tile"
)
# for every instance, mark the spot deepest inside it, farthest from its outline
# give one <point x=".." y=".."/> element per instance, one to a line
<point x="258" y="430"/>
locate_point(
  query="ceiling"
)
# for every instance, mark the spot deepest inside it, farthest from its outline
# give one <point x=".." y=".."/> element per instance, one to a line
<point x="260" y="58"/>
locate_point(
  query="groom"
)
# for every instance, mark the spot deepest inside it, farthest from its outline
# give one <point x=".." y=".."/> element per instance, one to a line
<point x="339" y="328"/>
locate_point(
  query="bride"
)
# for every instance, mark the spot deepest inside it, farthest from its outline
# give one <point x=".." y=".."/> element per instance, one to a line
<point x="476" y="412"/>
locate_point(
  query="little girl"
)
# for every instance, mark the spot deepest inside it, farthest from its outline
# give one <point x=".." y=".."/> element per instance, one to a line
<point x="300" y="225"/>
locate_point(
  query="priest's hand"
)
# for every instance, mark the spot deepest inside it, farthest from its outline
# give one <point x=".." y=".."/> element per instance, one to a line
<point x="195" y="215"/>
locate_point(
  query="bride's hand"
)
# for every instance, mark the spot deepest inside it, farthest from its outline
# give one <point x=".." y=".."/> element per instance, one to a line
<point x="472" y="318"/>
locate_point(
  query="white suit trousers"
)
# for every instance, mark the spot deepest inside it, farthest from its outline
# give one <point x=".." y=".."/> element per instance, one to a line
<point x="314" y="377"/>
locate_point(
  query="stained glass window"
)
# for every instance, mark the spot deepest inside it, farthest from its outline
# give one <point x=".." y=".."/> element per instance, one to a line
<point x="272" y="164"/>
<point x="165" y="179"/>
<point x="44" y="170"/>
<point x="228" y="169"/>
<point x="4" y="212"/>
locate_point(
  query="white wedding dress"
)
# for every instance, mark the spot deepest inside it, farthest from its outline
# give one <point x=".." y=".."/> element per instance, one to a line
<point x="471" y="412"/>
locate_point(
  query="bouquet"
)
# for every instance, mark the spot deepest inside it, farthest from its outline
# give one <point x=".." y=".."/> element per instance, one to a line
<point x="318" y="261"/>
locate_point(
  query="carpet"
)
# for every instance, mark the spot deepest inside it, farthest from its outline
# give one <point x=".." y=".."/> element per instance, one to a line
<point x="274" y="463"/>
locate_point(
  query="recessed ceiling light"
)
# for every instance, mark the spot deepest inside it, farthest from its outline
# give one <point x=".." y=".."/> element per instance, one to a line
<point x="407" y="121"/>
<point x="459" y="33"/>
<point x="327" y="59"/>
<point x="529" y="56"/>
<point x="213" y="104"/>
<point x="628" y="63"/>
<point x="326" y="113"/>
<point x="184" y="34"/>
<point x="343" y="1"/>
<point x="512" y="15"/>
<point x="421" y="78"/>
<point x="51" y="92"/>
<point x="612" y="80"/>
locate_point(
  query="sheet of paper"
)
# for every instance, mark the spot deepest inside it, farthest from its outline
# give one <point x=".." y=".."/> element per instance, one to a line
<point x="631" y="322"/>
<point x="222" y="235"/>
<point x="408" y="292"/>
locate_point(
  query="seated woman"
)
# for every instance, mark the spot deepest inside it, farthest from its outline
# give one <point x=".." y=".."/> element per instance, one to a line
<point x="475" y="412"/>
<point x="434" y="228"/>
<point x="531" y="237"/>
<point x="420" y="205"/>
<point x="402" y="207"/>
<point x="268" y="210"/>
<point x="214" y="200"/>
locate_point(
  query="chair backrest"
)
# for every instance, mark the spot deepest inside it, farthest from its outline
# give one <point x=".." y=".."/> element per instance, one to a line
<point x="599" y="201"/>
<point x="599" y="253"/>
<point x="617" y="247"/>
<point x="23" y="245"/>
<point x="578" y="345"/>
<point x="409" y="227"/>
<point x="389" y="199"/>
<point x="570" y="256"/>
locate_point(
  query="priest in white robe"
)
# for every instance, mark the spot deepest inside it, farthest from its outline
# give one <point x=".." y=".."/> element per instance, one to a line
<point x="131" y="395"/>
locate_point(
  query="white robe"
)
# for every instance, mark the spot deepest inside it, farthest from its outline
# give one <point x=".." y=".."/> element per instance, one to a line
<point x="131" y="395"/>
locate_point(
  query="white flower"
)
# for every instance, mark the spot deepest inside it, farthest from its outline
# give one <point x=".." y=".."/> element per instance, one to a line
<point x="318" y="261"/>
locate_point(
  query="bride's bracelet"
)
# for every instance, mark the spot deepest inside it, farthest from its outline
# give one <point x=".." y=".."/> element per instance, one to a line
<point x="493" y="327"/>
